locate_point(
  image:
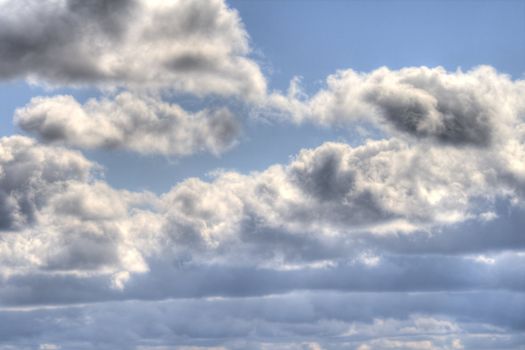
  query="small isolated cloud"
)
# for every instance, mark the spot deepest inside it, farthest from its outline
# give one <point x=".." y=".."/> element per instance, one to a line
<point x="142" y="124"/>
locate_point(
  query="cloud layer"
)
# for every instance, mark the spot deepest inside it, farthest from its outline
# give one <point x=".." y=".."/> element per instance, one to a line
<point x="302" y="321"/>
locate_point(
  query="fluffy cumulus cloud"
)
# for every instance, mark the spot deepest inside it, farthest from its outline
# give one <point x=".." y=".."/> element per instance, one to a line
<point x="474" y="108"/>
<point x="174" y="44"/>
<point x="142" y="124"/>
<point x="339" y="190"/>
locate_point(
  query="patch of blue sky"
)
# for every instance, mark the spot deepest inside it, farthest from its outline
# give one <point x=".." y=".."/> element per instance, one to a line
<point x="315" y="38"/>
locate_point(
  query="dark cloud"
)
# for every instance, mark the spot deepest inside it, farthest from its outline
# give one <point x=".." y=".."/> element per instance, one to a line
<point x="350" y="273"/>
<point x="325" y="176"/>
<point x="55" y="45"/>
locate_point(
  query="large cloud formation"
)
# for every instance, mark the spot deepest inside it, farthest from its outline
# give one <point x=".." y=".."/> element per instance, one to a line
<point x="130" y="43"/>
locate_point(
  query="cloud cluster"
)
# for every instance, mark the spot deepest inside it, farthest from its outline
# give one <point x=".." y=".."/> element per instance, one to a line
<point x="142" y="124"/>
<point x="175" y="45"/>
<point x="473" y="108"/>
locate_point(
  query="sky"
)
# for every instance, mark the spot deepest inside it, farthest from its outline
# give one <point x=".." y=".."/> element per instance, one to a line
<point x="262" y="174"/>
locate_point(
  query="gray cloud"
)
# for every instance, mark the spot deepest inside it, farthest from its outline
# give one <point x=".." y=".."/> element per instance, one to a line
<point x="142" y="124"/>
<point x="352" y="272"/>
<point x="141" y="44"/>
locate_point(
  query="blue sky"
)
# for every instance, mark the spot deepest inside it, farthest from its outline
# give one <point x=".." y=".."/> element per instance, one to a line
<point x="366" y="35"/>
<point x="310" y="175"/>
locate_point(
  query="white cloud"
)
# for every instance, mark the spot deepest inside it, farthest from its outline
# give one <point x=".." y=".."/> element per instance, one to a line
<point x="142" y="124"/>
<point x="476" y="108"/>
<point x="369" y="213"/>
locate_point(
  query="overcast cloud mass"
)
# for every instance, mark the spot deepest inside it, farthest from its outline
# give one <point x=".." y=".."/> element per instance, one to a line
<point x="409" y="238"/>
